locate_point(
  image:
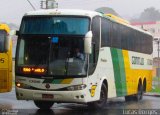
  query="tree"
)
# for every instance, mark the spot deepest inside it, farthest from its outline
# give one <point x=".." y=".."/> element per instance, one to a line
<point x="149" y="14"/>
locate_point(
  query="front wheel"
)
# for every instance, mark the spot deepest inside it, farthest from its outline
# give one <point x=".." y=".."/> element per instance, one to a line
<point x="102" y="101"/>
<point x="44" y="104"/>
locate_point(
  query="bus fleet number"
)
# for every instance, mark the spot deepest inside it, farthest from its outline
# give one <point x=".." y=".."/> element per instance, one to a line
<point x="1" y="60"/>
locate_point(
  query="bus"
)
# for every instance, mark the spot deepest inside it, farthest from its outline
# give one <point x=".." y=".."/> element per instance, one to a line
<point x="117" y="58"/>
<point x="5" y="59"/>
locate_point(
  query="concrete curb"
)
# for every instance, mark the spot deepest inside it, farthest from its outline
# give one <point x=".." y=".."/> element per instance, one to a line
<point x="152" y="94"/>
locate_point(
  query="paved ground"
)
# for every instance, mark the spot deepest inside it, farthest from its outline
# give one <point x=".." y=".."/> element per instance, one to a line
<point x="113" y="107"/>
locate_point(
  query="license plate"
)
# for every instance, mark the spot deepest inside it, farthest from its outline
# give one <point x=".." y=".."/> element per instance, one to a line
<point x="47" y="96"/>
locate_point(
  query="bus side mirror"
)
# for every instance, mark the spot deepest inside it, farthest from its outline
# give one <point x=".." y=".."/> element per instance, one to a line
<point x="88" y="42"/>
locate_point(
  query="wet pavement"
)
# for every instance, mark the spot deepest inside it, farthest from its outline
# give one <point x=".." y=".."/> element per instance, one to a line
<point x="116" y="106"/>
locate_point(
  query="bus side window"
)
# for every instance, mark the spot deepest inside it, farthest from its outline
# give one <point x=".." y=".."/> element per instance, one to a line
<point x="2" y="41"/>
<point x="95" y="44"/>
<point x="105" y="32"/>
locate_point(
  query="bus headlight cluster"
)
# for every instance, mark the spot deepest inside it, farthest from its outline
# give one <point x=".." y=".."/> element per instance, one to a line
<point x="76" y="87"/>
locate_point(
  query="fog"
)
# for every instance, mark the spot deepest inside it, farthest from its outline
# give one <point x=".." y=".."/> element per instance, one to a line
<point x="11" y="11"/>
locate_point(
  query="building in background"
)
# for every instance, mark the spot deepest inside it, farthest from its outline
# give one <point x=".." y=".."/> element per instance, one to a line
<point x="153" y="28"/>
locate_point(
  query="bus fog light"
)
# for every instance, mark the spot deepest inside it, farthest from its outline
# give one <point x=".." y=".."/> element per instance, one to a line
<point x="82" y="96"/>
<point x="77" y="97"/>
<point x="76" y="87"/>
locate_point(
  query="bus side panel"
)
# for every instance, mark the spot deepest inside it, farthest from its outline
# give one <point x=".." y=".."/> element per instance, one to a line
<point x="10" y="79"/>
<point x="129" y="67"/>
<point x="119" y="72"/>
<point x="6" y="71"/>
<point x="103" y="71"/>
<point x="137" y="67"/>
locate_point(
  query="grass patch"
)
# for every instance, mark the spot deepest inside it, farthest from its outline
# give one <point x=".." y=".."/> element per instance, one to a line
<point x="156" y="90"/>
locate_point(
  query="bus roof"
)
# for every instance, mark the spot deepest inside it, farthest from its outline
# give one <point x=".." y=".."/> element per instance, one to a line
<point x="73" y="12"/>
<point x="118" y="19"/>
<point x="5" y="27"/>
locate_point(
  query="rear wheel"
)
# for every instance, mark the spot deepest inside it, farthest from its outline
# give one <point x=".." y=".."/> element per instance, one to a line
<point x="139" y="94"/>
<point x="136" y="97"/>
<point x="103" y="99"/>
<point x="44" y="104"/>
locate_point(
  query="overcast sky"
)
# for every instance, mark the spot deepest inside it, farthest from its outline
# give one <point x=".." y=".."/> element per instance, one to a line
<point x="11" y="11"/>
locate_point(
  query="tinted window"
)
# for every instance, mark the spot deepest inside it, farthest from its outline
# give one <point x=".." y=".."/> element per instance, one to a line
<point x="95" y="27"/>
<point x="123" y="37"/>
<point x="2" y="39"/>
<point x="55" y="25"/>
<point x="106" y="32"/>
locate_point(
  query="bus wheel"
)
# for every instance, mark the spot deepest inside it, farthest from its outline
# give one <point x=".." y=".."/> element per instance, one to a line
<point x="44" y="104"/>
<point x="103" y="99"/>
<point x="139" y="94"/>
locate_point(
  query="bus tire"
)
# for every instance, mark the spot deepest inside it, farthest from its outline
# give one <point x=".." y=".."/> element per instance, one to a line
<point x="44" y="104"/>
<point x="103" y="99"/>
<point x="139" y="94"/>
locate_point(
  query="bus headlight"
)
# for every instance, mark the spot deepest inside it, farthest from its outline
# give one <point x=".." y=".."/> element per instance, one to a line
<point x="76" y="87"/>
<point x="22" y="85"/>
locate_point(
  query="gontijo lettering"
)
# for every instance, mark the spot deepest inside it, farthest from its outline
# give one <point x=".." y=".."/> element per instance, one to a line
<point x="137" y="60"/>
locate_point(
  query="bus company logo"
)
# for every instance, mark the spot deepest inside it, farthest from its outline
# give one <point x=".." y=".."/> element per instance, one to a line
<point x="93" y="90"/>
<point x="47" y="86"/>
<point x="137" y="60"/>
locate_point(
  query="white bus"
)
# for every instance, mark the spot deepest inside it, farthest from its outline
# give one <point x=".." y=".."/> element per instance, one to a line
<point x="117" y="58"/>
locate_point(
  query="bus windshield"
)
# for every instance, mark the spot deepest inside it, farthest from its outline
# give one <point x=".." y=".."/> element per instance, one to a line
<point x="54" y="25"/>
<point x="57" y="55"/>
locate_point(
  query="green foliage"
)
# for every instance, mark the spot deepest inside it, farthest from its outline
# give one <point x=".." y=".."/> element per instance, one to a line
<point x="156" y="90"/>
<point x="149" y="14"/>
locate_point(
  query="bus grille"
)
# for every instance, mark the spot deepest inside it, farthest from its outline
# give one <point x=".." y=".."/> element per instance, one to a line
<point x="3" y="79"/>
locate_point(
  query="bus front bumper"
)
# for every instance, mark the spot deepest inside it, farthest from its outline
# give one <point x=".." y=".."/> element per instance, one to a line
<point x="56" y="96"/>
